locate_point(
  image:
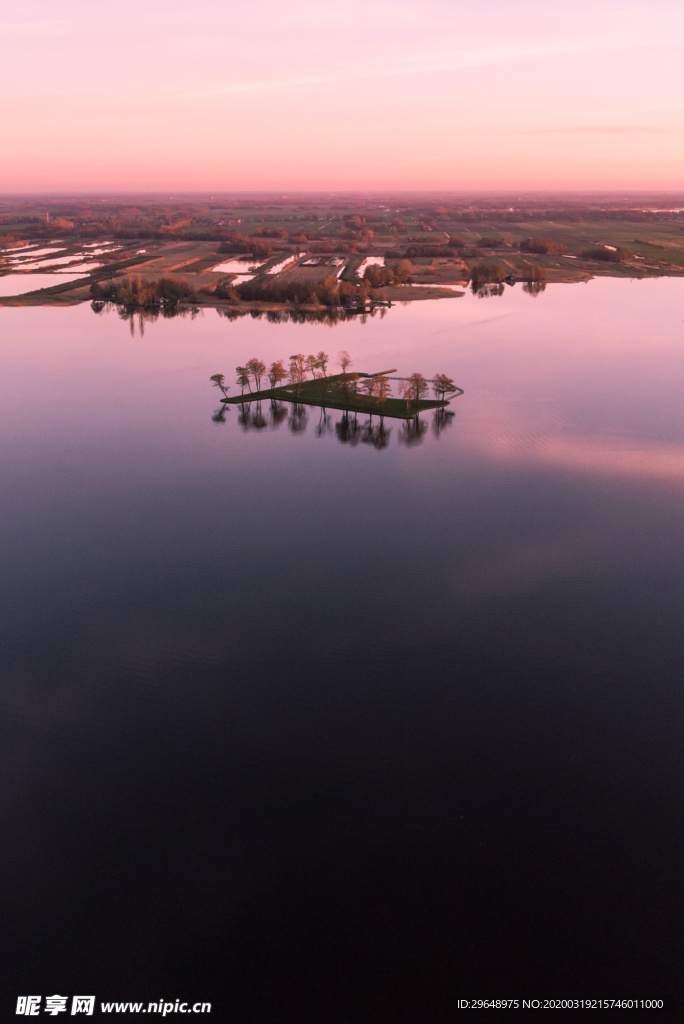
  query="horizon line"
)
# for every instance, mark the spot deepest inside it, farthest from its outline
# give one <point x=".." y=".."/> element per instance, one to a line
<point x="174" y="193"/>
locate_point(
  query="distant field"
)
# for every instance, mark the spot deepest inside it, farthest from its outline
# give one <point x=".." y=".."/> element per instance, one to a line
<point x="350" y="272"/>
<point x="177" y="256"/>
<point x="204" y="263"/>
<point x="667" y="238"/>
<point x="299" y="273"/>
<point x="405" y="293"/>
<point x="445" y="238"/>
<point x="440" y="270"/>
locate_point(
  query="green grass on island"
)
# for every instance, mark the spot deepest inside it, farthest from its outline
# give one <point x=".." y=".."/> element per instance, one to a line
<point x="339" y="391"/>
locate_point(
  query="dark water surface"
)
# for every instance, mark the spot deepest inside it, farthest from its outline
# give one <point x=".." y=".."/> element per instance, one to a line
<point x="322" y="732"/>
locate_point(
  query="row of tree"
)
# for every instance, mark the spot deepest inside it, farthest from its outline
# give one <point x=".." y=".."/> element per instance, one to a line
<point x="283" y="288"/>
<point x="378" y="277"/>
<point x="541" y="246"/>
<point x="139" y="292"/>
<point x="412" y="389"/>
<point x="616" y="254"/>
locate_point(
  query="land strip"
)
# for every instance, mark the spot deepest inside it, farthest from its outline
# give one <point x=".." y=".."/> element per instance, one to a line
<point x="335" y="251"/>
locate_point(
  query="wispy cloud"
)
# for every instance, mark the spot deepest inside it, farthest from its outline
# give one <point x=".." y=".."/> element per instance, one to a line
<point x="599" y="129"/>
<point x="425" y="63"/>
<point x="430" y="61"/>
<point x="49" y="26"/>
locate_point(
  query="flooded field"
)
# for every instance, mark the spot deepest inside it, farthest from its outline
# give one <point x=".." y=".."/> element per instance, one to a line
<point x="25" y="253"/>
<point x="47" y="263"/>
<point x="237" y="266"/>
<point x="19" y="284"/>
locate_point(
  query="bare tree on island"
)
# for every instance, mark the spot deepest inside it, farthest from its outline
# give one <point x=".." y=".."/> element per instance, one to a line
<point x="219" y="382"/>
<point x="243" y="378"/>
<point x="419" y="386"/>
<point x="256" y="369"/>
<point x="345" y="361"/>
<point x="312" y="366"/>
<point x="277" y="373"/>
<point x="297" y="370"/>
<point x="319" y="362"/>
<point x="405" y="391"/>
<point x="443" y="386"/>
<point x="383" y="391"/>
<point x="369" y="386"/>
<point x="413" y="388"/>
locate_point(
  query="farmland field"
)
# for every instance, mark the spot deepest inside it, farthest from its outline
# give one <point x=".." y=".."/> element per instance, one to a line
<point x="304" y="240"/>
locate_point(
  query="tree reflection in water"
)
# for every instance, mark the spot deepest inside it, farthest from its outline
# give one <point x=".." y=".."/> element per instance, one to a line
<point x="252" y="419"/>
<point x="487" y="289"/>
<point x="324" y="425"/>
<point x="378" y="435"/>
<point x="348" y="429"/>
<point x="278" y="413"/>
<point x="329" y="315"/>
<point x="220" y="414"/>
<point x="534" y="288"/>
<point x="141" y="317"/>
<point x="245" y="417"/>
<point x="441" y="420"/>
<point x="412" y="432"/>
<point x="298" y="419"/>
<point x="259" y="421"/>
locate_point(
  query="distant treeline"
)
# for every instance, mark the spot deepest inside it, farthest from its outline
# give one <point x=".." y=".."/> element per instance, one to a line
<point x="274" y="288"/>
<point x="606" y="254"/>
<point x="378" y="277"/>
<point x="541" y="245"/>
<point x="342" y="225"/>
<point x="140" y="293"/>
<point x="496" y="273"/>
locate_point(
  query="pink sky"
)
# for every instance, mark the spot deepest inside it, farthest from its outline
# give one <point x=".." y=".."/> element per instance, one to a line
<point x="299" y="95"/>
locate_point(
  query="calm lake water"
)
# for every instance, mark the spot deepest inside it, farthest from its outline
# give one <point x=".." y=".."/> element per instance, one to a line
<point x="325" y="732"/>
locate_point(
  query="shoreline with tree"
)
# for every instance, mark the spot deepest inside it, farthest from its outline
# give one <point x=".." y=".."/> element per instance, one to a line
<point x="350" y="391"/>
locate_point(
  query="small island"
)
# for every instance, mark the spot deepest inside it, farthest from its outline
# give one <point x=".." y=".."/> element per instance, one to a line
<point x="357" y="392"/>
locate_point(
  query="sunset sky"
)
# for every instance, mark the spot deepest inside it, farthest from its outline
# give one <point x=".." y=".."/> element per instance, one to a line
<point x="302" y="95"/>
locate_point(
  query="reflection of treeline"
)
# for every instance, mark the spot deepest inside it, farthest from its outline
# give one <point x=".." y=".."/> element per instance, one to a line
<point x="488" y="273"/>
<point x="348" y="429"/>
<point x="496" y="273"/>
<point x="140" y="292"/>
<point x="329" y="315"/>
<point x="276" y="288"/>
<point x="146" y="314"/>
<point x="325" y="315"/>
